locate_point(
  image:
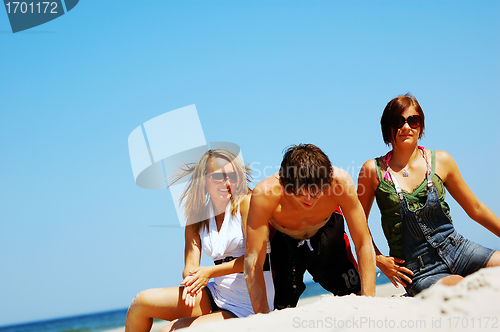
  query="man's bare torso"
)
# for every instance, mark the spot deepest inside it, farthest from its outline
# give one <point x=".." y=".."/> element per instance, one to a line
<point x="292" y="219"/>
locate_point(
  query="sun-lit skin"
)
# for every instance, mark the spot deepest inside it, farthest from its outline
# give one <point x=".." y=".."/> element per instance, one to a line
<point x="305" y="199"/>
<point x="301" y="216"/>
<point x="303" y="205"/>
<point x="407" y="135"/>
<point x="406" y="155"/>
<point x="220" y="194"/>
<point x="189" y="305"/>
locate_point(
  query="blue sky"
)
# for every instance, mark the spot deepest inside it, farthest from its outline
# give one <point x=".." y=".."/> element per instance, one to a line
<point x="78" y="236"/>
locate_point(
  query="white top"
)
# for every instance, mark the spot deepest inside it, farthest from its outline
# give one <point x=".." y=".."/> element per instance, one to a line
<point x="230" y="291"/>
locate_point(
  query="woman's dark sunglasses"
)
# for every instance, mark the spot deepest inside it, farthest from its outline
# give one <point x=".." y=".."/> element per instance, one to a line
<point x="413" y="121"/>
<point x="218" y="178"/>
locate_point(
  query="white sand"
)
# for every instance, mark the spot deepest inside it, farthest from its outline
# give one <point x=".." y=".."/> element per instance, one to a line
<point x="472" y="305"/>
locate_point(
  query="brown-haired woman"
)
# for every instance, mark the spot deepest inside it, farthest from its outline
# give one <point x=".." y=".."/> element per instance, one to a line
<point x="409" y="185"/>
<point x="216" y="202"/>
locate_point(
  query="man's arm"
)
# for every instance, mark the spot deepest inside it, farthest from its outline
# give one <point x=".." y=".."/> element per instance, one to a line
<point x="392" y="267"/>
<point x="358" y="229"/>
<point x="261" y="210"/>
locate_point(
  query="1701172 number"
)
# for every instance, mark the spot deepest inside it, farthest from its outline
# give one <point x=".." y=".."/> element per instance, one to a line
<point x="32" y="7"/>
<point x="473" y="322"/>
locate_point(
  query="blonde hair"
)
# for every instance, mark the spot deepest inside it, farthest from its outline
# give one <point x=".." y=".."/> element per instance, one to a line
<point x="195" y="198"/>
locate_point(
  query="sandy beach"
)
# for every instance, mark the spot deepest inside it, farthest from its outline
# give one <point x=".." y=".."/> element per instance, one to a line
<point x="472" y="305"/>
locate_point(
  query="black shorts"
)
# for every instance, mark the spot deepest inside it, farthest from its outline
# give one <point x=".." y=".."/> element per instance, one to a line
<point x="213" y="305"/>
<point x="330" y="263"/>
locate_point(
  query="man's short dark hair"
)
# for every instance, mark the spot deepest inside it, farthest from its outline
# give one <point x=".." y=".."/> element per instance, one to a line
<point x="305" y="167"/>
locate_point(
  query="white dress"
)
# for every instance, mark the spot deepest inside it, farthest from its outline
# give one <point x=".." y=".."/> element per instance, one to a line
<point x="230" y="291"/>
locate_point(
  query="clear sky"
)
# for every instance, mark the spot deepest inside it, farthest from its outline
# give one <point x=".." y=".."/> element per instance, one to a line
<point x="78" y="235"/>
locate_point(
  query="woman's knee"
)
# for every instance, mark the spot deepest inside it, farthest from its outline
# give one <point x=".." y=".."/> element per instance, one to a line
<point x="142" y="300"/>
<point x="450" y="280"/>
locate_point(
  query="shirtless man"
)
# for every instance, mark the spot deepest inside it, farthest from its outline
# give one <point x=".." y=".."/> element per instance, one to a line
<point x="302" y="203"/>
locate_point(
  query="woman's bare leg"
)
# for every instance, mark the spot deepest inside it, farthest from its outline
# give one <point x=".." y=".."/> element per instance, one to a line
<point x="451" y="280"/>
<point x="162" y="303"/>
<point x="193" y="321"/>
<point x="455" y="279"/>
<point x="494" y="259"/>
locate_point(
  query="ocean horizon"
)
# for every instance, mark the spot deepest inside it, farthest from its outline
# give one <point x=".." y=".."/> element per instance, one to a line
<point x="112" y="319"/>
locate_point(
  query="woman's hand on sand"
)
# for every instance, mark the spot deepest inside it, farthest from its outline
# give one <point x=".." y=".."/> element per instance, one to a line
<point x="193" y="284"/>
<point x="394" y="270"/>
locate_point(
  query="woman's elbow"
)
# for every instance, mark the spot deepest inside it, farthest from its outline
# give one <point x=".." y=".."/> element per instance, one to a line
<point x="476" y="211"/>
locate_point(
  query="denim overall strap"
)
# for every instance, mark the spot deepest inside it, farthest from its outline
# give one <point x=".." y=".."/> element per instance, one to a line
<point x="425" y="230"/>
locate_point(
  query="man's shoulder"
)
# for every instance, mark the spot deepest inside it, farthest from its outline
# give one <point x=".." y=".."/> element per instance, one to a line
<point x="268" y="185"/>
<point x="342" y="183"/>
<point x="266" y="195"/>
<point x="340" y="176"/>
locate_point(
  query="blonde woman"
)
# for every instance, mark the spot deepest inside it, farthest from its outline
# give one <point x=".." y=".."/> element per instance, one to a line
<point x="216" y="201"/>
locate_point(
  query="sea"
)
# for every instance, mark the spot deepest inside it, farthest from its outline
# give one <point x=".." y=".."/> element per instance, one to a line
<point x="108" y="320"/>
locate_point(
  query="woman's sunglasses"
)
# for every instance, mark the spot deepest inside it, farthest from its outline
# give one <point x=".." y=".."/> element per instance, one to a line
<point x="218" y="178"/>
<point x="413" y="121"/>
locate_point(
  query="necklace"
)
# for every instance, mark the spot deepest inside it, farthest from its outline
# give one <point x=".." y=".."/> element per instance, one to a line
<point x="405" y="169"/>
